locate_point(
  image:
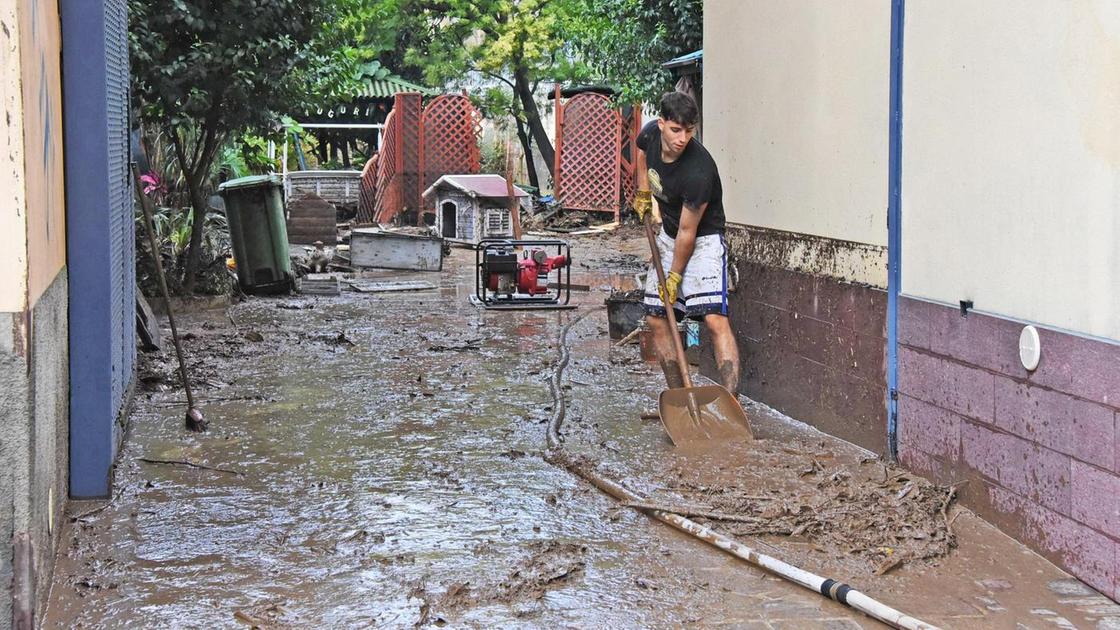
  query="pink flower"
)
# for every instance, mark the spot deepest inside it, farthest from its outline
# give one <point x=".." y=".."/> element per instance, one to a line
<point x="153" y="184"/>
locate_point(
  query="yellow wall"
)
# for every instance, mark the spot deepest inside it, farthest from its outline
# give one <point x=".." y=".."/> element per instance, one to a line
<point x="795" y="114"/>
<point x="40" y="57"/>
<point x="1011" y="158"/>
<point x="13" y="223"/>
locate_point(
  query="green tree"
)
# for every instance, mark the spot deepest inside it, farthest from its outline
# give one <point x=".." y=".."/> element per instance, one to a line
<point x="203" y="70"/>
<point x="626" y="41"/>
<point x="517" y="43"/>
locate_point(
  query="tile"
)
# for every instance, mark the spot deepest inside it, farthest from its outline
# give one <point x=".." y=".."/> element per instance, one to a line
<point x="1070" y="425"/>
<point x="1084" y="367"/>
<point x="959" y="388"/>
<point x="983" y="449"/>
<point x="1095" y="497"/>
<point x="914" y="323"/>
<point x="929" y="428"/>
<point x="981" y="340"/>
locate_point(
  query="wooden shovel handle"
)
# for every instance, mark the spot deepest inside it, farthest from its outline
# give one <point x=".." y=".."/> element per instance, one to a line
<point x="678" y="347"/>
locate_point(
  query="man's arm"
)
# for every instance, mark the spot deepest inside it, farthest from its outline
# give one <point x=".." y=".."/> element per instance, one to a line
<point x="686" y="236"/>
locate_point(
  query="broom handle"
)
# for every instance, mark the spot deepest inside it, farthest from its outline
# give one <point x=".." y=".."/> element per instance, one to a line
<point x="678" y="348"/>
<point x="154" y="246"/>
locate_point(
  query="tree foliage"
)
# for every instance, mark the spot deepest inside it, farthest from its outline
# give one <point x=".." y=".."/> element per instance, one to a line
<point x="626" y="41"/>
<point x="202" y="70"/>
<point x="516" y="44"/>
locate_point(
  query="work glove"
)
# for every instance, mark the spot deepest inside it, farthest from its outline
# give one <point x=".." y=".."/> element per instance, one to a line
<point x="643" y="202"/>
<point x="670" y="289"/>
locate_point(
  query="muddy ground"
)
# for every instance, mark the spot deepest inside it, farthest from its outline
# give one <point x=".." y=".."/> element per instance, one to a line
<point x="375" y="460"/>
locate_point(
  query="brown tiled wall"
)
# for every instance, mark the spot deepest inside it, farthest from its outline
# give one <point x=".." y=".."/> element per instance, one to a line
<point x="1040" y="451"/>
<point x="813" y="348"/>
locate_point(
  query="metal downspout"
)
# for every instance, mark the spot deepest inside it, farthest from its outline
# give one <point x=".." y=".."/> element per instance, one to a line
<point x="894" y="223"/>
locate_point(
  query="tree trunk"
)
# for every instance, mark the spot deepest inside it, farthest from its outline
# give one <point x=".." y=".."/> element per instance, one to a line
<point x="527" y="147"/>
<point x="533" y="118"/>
<point x="198" y="213"/>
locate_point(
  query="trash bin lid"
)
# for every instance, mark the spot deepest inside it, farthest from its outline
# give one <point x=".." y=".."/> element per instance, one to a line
<point x="252" y="181"/>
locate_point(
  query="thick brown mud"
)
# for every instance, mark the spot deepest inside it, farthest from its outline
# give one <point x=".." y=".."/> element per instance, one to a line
<point x="375" y="460"/>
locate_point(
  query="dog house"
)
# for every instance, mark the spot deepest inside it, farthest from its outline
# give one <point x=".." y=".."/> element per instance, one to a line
<point x="470" y="208"/>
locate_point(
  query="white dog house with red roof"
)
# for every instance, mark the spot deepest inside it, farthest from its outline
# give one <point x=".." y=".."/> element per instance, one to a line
<point x="470" y="208"/>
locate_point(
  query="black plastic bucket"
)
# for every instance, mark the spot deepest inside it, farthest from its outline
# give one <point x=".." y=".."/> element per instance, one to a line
<point x="625" y="312"/>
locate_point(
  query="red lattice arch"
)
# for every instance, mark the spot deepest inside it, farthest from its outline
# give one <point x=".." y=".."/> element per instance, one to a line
<point x="398" y="164"/>
<point x="451" y="128"/>
<point x="588" y="154"/>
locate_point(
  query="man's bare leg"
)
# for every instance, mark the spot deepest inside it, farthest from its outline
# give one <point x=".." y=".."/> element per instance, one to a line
<point x="663" y="348"/>
<point x="726" y="351"/>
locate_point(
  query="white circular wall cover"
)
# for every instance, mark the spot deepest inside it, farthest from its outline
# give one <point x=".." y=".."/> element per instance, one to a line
<point x="1030" y="350"/>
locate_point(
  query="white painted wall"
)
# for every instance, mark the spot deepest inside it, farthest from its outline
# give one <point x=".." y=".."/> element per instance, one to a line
<point x="796" y="99"/>
<point x="13" y="213"/>
<point x="1011" y="158"/>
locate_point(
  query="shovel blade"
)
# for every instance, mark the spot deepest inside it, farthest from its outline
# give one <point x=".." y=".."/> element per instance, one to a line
<point x="694" y="415"/>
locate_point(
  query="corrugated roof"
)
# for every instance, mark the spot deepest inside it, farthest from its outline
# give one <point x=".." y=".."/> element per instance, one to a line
<point x="493" y="186"/>
<point x="387" y="87"/>
<point x="685" y="60"/>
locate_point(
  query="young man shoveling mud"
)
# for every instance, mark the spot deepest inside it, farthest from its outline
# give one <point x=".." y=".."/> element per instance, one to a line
<point x="679" y="171"/>
<point x="688" y="274"/>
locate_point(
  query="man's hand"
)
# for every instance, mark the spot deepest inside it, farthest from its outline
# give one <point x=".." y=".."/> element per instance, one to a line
<point x="670" y="289"/>
<point x="643" y="202"/>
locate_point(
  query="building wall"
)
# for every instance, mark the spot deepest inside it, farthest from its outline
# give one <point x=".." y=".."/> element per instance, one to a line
<point x="100" y="226"/>
<point x="33" y="306"/>
<point x="13" y="222"/>
<point x="1011" y="159"/>
<point x="795" y="104"/>
<point x="795" y="111"/>
<point x="40" y="51"/>
<point x="1011" y="167"/>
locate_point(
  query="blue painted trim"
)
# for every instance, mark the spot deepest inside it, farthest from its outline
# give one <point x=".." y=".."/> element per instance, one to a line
<point x="894" y="223"/>
<point x="88" y="229"/>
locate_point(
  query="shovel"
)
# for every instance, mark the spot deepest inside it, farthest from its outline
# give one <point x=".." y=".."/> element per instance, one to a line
<point x="691" y="414"/>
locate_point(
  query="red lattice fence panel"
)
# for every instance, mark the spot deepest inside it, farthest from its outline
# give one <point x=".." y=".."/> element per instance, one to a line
<point x="367" y="193"/>
<point x="631" y="127"/>
<point x="627" y="169"/>
<point x="388" y="201"/>
<point x="398" y="167"/>
<point x="588" y="154"/>
<point x="451" y="128"/>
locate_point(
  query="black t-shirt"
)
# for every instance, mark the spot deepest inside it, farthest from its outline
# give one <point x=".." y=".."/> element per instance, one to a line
<point x="691" y="180"/>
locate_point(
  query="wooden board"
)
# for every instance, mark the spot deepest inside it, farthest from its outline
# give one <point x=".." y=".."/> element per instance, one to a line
<point x="319" y="284"/>
<point x="388" y="286"/>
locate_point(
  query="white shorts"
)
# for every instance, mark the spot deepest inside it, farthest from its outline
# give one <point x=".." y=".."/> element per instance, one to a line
<point x="704" y="286"/>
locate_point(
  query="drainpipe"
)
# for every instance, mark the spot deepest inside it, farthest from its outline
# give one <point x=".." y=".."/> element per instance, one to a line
<point x="894" y="223"/>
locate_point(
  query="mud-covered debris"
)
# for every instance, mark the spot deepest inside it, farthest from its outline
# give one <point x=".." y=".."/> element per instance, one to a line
<point x="869" y="519"/>
<point x="469" y="345"/>
<point x="267" y="616"/>
<point x="295" y="306"/>
<point x="547" y="565"/>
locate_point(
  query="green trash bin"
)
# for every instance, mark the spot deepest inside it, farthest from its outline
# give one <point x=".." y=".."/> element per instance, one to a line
<point x="255" y="209"/>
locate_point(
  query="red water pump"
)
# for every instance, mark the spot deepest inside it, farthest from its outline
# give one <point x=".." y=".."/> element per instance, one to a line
<point x="519" y="274"/>
<point x="531" y="275"/>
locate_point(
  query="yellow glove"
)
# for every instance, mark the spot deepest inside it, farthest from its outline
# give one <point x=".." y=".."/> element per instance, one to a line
<point x="642" y="203"/>
<point x="671" y="288"/>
